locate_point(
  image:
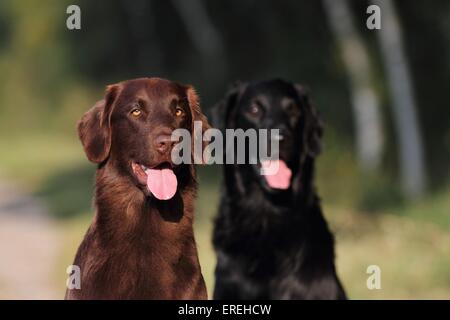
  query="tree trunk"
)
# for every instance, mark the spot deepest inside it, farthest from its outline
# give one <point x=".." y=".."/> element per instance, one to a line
<point x="204" y="36"/>
<point x="365" y="103"/>
<point x="404" y="108"/>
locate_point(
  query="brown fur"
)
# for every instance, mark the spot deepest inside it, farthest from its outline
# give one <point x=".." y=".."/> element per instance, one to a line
<point x="138" y="247"/>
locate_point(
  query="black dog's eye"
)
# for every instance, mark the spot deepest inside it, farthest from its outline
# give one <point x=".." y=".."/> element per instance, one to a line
<point x="291" y="108"/>
<point x="255" y="110"/>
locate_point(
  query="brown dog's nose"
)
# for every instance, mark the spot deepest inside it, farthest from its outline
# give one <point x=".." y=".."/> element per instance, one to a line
<point x="164" y="144"/>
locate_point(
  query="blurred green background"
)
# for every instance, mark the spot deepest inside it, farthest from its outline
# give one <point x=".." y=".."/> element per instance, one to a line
<point x="50" y="75"/>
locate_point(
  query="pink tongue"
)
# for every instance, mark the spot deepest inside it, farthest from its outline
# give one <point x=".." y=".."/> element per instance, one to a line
<point x="277" y="174"/>
<point x="162" y="183"/>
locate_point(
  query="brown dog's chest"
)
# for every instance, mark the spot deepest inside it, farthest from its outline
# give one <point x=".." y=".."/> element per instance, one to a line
<point x="139" y="254"/>
<point x="139" y="271"/>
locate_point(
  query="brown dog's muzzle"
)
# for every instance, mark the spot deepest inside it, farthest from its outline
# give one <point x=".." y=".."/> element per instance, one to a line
<point x="163" y="144"/>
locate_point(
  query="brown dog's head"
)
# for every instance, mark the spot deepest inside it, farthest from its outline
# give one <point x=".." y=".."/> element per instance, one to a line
<point x="132" y="126"/>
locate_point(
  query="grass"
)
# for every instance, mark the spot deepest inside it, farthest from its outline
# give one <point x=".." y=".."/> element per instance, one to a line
<point x="409" y="243"/>
<point x="434" y="209"/>
<point x="414" y="257"/>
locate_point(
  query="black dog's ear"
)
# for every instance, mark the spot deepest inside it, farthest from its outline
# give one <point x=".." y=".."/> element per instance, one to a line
<point x="313" y="123"/>
<point x="94" y="128"/>
<point x="220" y="113"/>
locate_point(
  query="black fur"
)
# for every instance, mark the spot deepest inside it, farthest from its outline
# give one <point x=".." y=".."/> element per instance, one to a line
<point x="273" y="244"/>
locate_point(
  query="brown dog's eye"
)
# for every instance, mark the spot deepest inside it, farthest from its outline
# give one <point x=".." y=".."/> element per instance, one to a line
<point x="179" y="112"/>
<point x="136" y="112"/>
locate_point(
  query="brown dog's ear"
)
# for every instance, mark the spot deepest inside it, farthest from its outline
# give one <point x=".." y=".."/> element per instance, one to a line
<point x="313" y="124"/>
<point x="194" y="104"/>
<point x="94" y="128"/>
<point x="197" y="115"/>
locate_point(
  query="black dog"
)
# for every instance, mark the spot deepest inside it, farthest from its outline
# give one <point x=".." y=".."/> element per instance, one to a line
<point x="270" y="236"/>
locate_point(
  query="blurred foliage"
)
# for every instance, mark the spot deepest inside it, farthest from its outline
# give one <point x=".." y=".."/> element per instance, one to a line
<point x="50" y="76"/>
<point x="69" y="192"/>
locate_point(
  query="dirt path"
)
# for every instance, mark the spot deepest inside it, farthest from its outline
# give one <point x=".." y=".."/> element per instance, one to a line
<point x="29" y="246"/>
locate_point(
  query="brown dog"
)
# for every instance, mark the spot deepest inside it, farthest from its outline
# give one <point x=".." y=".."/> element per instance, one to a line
<point x="140" y="244"/>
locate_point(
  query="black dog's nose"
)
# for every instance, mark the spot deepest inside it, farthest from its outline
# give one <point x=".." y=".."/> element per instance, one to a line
<point x="163" y="143"/>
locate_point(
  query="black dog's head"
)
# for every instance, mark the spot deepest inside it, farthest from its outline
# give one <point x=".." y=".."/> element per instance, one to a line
<point x="274" y="104"/>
